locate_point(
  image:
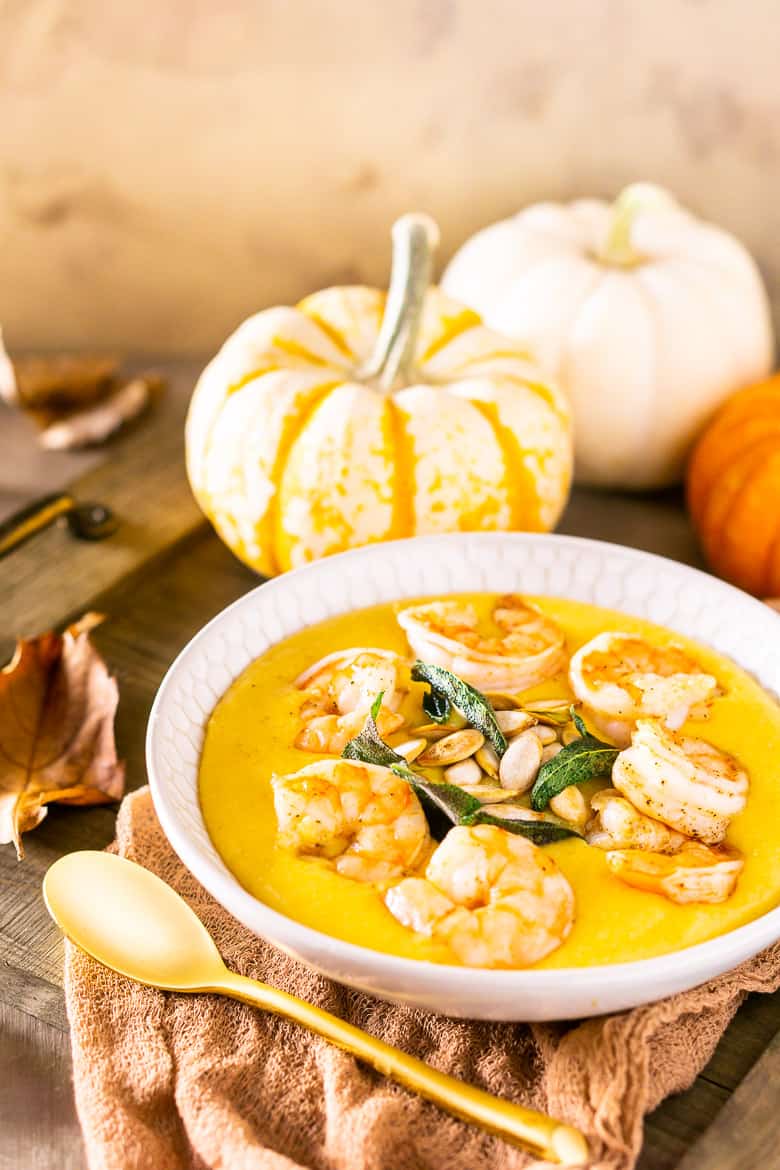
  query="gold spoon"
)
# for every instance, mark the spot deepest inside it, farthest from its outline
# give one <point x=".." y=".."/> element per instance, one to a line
<point x="131" y="921"/>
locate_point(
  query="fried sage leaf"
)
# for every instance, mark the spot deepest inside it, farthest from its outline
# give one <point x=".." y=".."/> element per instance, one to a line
<point x="584" y="759"/>
<point x="57" y="706"/>
<point x="540" y="832"/>
<point x="461" y="808"/>
<point x="444" y="804"/>
<point x="470" y="702"/>
<point x="369" y="748"/>
<point x="436" y="706"/>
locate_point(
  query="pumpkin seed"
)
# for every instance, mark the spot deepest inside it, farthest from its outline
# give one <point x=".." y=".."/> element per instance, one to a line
<point x="435" y="730"/>
<point x="570" y="805"/>
<point x="513" y="812"/>
<point x="453" y="748"/>
<point x="545" y="734"/>
<point x="520" y="762"/>
<point x="550" y="705"/>
<point x="513" y="722"/>
<point x="552" y="711"/>
<point x="464" y="773"/>
<point x="411" y="749"/>
<point x="489" y="793"/>
<point x="551" y="751"/>
<point x="487" y="760"/>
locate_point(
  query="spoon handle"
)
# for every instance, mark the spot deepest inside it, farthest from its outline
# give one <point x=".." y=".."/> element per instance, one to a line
<point x="536" y="1132"/>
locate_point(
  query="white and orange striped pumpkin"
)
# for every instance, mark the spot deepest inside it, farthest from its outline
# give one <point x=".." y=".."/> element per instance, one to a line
<point x="358" y="417"/>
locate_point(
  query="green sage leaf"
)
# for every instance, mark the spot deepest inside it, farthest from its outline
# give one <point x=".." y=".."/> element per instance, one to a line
<point x="579" y="722"/>
<point x="583" y="759"/>
<point x="540" y="832"/>
<point x="470" y="702"/>
<point x="436" y="706"/>
<point x="368" y="747"/>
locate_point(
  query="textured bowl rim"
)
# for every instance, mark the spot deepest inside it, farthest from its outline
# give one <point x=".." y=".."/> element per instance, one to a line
<point x="711" y="957"/>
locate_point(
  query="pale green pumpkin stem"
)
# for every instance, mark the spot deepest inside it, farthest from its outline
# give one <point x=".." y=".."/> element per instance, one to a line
<point x="617" y="248"/>
<point x="392" y="363"/>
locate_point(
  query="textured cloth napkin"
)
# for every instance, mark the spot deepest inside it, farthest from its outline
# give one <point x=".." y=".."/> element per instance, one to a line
<point x="168" y="1082"/>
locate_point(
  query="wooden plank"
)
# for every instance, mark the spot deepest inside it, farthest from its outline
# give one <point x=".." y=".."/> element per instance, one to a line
<point x="671" y="1129"/>
<point x="142" y="478"/>
<point x="746" y="1037"/>
<point x="39" y="1126"/>
<point x="149" y="621"/>
<point x="657" y="523"/>
<point x="745" y="1132"/>
<point x="35" y="997"/>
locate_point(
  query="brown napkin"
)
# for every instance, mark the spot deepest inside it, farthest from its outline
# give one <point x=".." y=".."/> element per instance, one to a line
<point x="165" y="1082"/>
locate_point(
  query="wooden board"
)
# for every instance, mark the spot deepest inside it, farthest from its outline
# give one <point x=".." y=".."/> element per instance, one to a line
<point x="141" y="478"/>
<point x="163" y="578"/>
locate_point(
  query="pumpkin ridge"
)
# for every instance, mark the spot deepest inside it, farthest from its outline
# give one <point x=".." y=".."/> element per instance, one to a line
<point x="772" y="568"/>
<point x="523" y="355"/>
<point x="292" y="433"/>
<point x="400" y="442"/>
<point x="332" y="333"/>
<point x="452" y="327"/>
<point x="520" y="485"/>
<point x="753" y="576"/>
<point x="767" y="568"/>
<point x="715" y="453"/>
<point x="295" y="349"/>
<point x="745" y="470"/>
<point x="540" y="389"/>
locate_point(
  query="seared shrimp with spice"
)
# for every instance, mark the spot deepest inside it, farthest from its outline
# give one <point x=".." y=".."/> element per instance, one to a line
<point x="340" y="689"/>
<point x="362" y="819"/>
<point x="494" y="898"/>
<point x="528" y="648"/>
<point x="688" y="784"/>
<point x="620" y="678"/>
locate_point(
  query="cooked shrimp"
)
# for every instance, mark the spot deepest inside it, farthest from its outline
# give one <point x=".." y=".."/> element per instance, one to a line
<point x="618" y="825"/>
<point x="340" y="689"/>
<point x="686" y="783"/>
<point x="696" y="873"/>
<point x="364" y="820"/>
<point x="330" y="734"/>
<point x="350" y="680"/>
<point x="529" y="649"/>
<point x="493" y="897"/>
<point x="620" y="678"/>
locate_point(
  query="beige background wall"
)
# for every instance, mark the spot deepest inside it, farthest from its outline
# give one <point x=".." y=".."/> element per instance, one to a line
<point x="167" y="166"/>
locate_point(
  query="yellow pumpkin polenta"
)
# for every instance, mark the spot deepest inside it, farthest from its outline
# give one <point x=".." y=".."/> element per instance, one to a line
<point x="250" y="735"/>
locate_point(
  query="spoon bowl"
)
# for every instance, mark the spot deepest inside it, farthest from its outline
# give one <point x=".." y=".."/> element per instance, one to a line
<point x="130" y="920"/>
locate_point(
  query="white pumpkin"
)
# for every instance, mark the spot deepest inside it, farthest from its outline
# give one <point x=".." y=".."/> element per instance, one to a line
<point x="355" y="417"/>
<point x="645" y="315"/>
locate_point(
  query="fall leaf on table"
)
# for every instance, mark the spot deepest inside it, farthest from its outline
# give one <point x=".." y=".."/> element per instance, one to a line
<point x="57" y="707"/>
<point x="75" y="400"/>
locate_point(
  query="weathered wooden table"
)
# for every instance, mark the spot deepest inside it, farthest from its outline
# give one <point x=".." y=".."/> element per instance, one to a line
<point x="159" y="578"/>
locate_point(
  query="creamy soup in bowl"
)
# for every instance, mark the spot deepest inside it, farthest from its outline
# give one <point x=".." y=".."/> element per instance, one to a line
<point x="671" y="837"/>
<point x="454" y="796"/>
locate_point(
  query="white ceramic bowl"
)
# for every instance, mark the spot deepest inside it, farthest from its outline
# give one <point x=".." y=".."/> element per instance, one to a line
<point x="608" y="575"/>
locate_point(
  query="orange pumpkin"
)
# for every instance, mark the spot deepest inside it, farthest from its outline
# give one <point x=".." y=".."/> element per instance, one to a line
<point x="734" y="489"/>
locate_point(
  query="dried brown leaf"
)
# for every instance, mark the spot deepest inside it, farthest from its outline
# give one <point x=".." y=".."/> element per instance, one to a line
<point x="57" y="707"/>
<point x="64" y="381"/>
